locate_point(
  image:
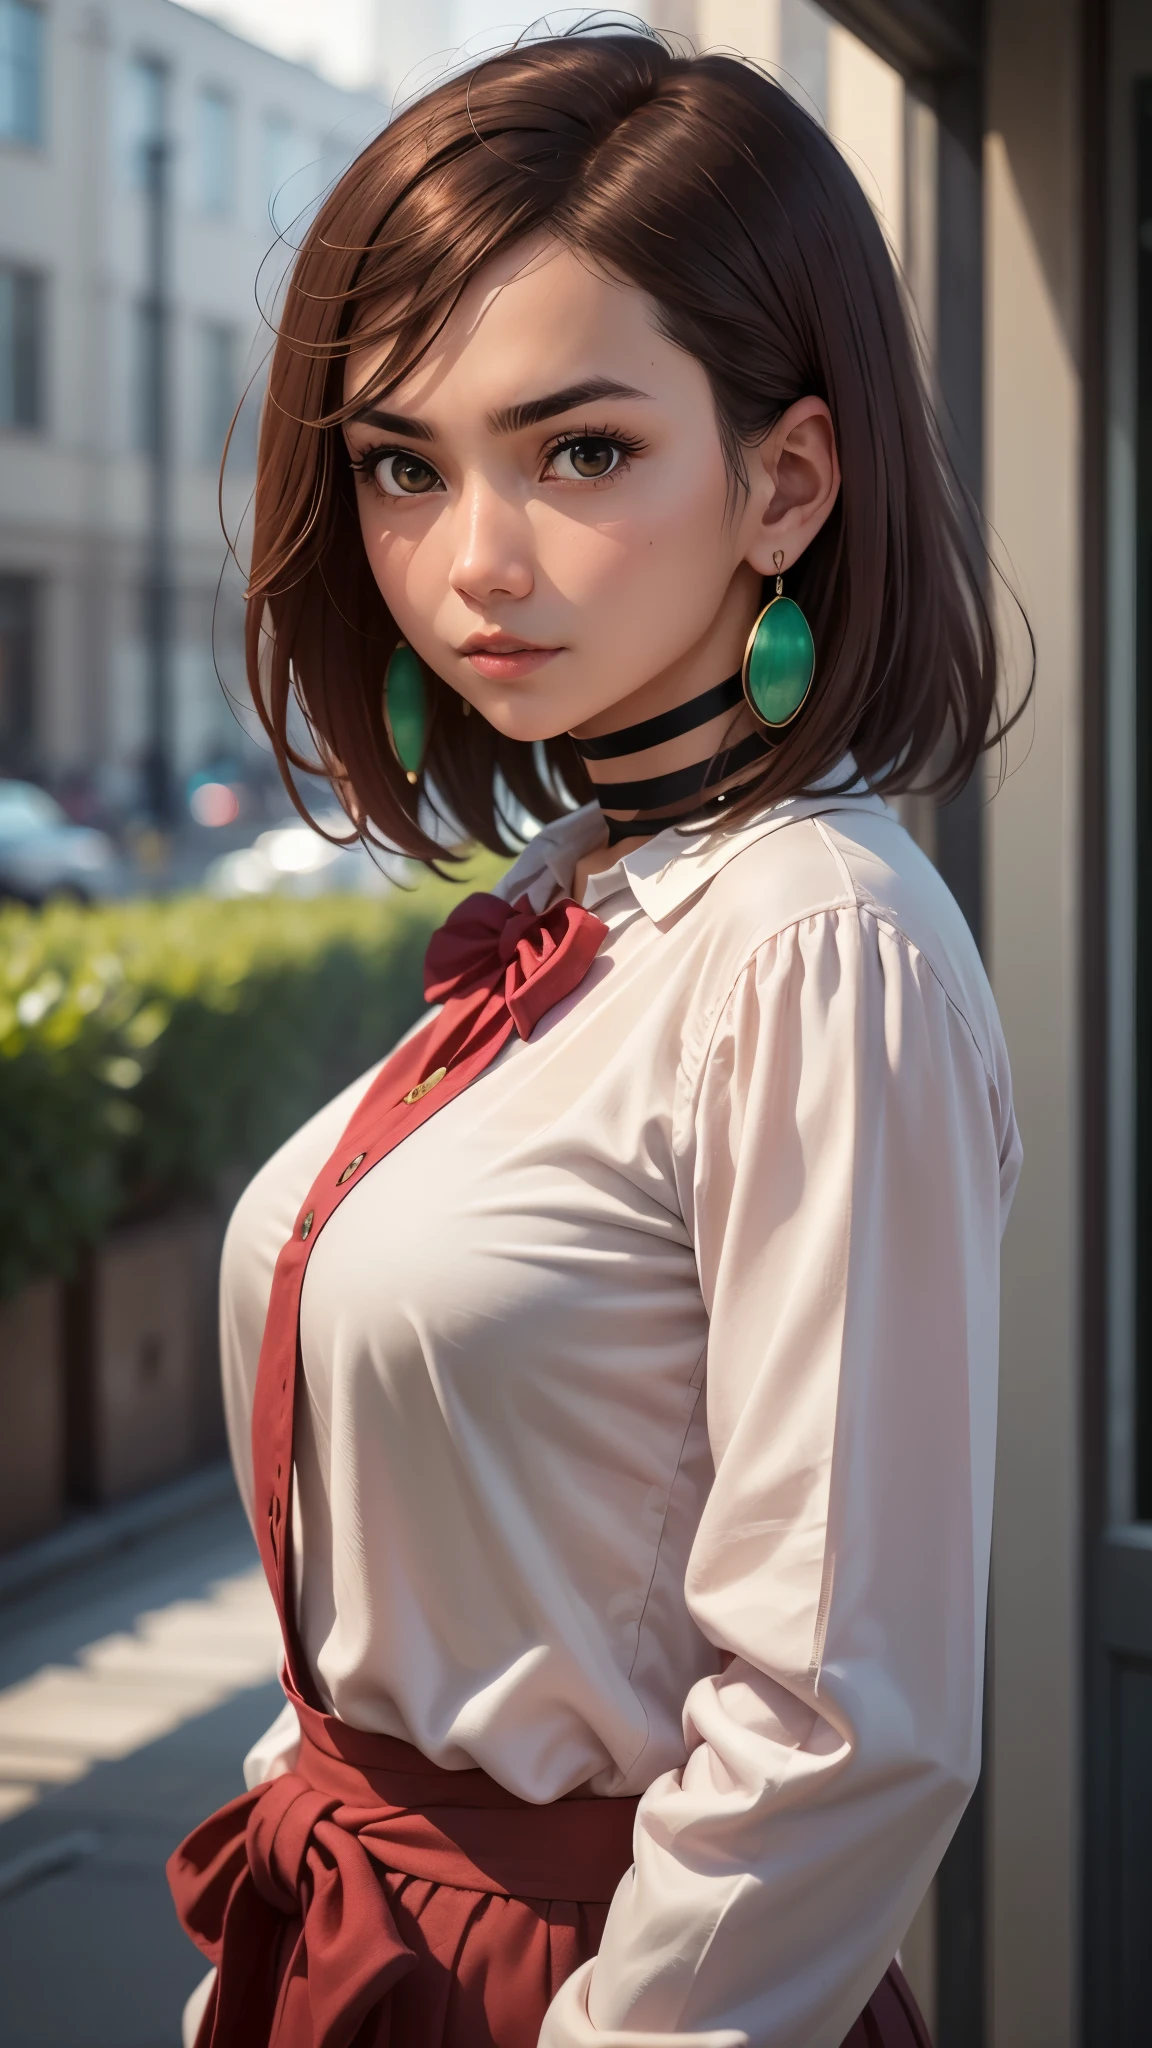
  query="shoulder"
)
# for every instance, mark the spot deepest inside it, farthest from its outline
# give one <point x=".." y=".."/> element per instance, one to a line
<point x="851" y="865"/>
<point x="896" y="888"/>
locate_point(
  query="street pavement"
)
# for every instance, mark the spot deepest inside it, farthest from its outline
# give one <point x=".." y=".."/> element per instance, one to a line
<point x="129" y="1693"/>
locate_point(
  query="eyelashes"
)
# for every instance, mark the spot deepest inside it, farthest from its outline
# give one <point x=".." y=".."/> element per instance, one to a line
<point x="422" y="477"/>
<point x="622" y="445"/>
<point x="593" y="456"/>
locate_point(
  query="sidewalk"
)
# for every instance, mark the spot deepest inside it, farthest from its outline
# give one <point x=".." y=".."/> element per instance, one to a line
<point x="130" y="1688"/>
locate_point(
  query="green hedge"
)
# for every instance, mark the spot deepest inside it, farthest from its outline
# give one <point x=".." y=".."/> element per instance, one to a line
<point x="147" y="1049"/>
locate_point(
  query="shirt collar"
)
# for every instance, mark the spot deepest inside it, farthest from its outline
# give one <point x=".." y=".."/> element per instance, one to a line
<point x="667" y="871"/>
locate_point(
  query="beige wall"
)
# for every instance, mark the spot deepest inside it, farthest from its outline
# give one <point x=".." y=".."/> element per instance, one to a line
<point x="866" y="118"/>
<point x="864" y="97"/>
<point x="749" y="27"/>
<point x="1034" y="495"/>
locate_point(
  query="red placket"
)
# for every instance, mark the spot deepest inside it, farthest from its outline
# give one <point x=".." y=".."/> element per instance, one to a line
<point x="496" y="968"/>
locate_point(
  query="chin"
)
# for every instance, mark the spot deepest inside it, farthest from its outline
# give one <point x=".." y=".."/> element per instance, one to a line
<point x="554" y="707"/>
<point x="528" y="722"/>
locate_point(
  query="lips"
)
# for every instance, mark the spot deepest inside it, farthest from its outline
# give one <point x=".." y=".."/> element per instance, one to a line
<point x="503" y="643"/>
<point x="503" y="658"/>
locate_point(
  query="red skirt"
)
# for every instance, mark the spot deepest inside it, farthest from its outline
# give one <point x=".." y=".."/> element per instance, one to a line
<point x="369" y="1899"/>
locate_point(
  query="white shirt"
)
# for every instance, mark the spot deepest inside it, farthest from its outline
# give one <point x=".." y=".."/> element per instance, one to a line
<point x="646" y="1427"/>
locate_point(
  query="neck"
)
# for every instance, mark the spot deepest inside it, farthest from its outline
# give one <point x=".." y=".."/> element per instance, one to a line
<point x="676" y="767"/>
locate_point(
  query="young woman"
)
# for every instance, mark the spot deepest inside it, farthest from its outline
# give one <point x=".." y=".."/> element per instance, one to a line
<point x="611" y="1373"/>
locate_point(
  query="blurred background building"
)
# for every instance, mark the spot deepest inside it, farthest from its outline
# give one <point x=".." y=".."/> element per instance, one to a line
<point x="148" y="159"/>
<point x="1007" y="147"/>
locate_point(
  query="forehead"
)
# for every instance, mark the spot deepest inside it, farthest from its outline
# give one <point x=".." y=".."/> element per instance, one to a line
<point x="536" y="318"/>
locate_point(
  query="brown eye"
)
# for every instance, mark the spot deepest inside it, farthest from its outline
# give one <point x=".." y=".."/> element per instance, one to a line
<point x="587" y="459"/>
<point x="404" y="476"/>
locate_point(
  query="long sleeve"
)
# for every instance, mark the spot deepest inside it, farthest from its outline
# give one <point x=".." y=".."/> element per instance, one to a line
<point x="849" y="1155"/>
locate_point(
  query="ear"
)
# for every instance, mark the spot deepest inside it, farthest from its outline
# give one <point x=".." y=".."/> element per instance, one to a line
<point x="794" y="479"/>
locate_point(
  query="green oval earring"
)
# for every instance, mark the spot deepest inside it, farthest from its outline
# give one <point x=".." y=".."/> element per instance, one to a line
<point x="406" y="709"/>
<point x="779" y="660"/>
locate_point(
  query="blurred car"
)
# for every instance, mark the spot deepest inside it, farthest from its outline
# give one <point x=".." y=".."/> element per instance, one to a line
<point x="293" y="860"/>
<point x="43" y="854"/>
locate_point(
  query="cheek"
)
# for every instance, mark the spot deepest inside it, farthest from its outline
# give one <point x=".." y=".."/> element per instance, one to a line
<point x="670" y="544"/>
<point x="403" y="558"/>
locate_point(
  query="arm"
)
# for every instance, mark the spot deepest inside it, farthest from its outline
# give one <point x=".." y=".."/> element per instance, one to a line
<point x="848" y="1159"/>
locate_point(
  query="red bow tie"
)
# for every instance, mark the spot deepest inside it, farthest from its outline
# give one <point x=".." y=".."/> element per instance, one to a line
<point x="538" y="956"/>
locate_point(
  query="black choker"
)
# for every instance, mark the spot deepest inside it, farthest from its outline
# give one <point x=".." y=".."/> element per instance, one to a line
<point x="667" y="725"/>
<point x="650" y="794"/>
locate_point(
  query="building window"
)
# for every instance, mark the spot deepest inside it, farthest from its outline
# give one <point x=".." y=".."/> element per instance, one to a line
<point x="17" y="672"/>
<point x="216" y="152"/>
<point x="143" y="117"/>
<point x="21" y="71"/>
<point x="21" y="347"/>
<point x="282" y="154"/>
<point x="219" y="387"/>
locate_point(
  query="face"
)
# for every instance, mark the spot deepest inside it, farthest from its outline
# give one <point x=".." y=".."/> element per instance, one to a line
<point x="546" y="506"/>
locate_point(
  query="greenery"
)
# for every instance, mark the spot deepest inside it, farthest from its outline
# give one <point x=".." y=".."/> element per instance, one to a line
<point x="149" y="1049"/>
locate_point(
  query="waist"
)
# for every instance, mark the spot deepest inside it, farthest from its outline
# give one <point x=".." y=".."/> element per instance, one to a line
<point x="461" y="1828"/>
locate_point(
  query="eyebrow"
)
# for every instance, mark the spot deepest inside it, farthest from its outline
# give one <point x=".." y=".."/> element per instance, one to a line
<point x="511" y="419"/>
<point x="394" y="423"/>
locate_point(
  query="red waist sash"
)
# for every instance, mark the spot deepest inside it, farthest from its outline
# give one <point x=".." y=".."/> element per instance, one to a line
<point x="370" y="1898"/>
<point x="368" y="1888"/>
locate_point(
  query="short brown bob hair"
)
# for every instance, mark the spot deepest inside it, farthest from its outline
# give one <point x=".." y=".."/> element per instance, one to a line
<point x="705" y="185"/>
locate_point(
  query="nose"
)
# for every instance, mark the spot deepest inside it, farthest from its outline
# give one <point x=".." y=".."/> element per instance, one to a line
<point x="492" y="556"/>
